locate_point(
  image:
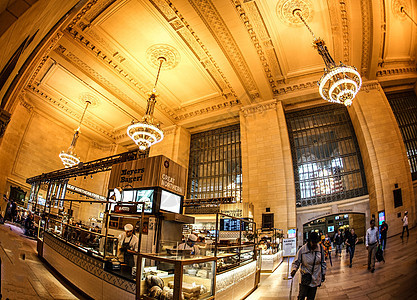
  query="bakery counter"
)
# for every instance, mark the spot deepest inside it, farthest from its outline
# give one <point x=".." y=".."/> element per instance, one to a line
<point x="271" y="261"/>
<point x="84" y="270"/>
<point x="176" y="277"/>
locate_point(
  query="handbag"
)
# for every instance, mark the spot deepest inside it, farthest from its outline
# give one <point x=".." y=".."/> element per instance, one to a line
<point x="306" y="278"/>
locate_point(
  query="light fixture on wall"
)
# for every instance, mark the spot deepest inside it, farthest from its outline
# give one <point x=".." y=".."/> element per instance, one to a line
<point x="340" y="83"/>
<point x="146" y="133"/>
<point x="69" y="158"/>
<point x="402" y="9"/>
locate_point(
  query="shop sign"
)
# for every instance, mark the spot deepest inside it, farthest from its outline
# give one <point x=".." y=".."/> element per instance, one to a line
<point x="81" y="191"/>
<point x="237" y="213"/>
<point x="290" y="247"/>
<point x="156" y="171"/>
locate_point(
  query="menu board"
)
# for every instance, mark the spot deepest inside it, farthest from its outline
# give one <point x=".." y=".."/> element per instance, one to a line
<point x="290" y="247"/>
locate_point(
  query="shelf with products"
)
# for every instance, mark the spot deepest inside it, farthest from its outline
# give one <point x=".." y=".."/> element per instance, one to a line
<point x="270" y="243"/>
<point x="234" y="243"/>
<point x="176" y="277"/>
<point x="270" y="240"/>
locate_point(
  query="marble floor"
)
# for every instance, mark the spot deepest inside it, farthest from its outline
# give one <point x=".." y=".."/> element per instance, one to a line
<point x="24" y="276"/>
<point x="394" y="279"/>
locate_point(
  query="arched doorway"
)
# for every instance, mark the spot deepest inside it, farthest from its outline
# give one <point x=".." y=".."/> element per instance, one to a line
<point x="331" y="223"/>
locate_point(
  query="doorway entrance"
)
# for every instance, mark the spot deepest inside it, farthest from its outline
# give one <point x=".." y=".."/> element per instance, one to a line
<point x="330" y="224"/>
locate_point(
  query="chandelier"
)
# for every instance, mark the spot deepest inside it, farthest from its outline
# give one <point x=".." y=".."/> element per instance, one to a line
<point x="340" y="83"/>
<point x="145" y="133"/>
<point x="69" y="158"/>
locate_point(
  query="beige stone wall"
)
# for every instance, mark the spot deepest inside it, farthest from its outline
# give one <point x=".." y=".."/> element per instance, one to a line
<point x="175" y="145"/>
<point x="383" y="154"/>
<point x="267" y="174"/>
<point x="31" y="145"/>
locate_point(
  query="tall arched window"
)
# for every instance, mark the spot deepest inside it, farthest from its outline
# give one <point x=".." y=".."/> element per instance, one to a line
<point x="326" y="157"/>
<point x="215" y="168"/>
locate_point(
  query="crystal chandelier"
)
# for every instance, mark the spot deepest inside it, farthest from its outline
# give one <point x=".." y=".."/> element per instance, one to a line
<point x="340" y="83"/>
<point x="69" y="158"/>
<point x="145" y="133"/>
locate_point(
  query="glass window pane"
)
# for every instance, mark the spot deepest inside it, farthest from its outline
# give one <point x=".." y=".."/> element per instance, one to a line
<point x="327" y="162"/>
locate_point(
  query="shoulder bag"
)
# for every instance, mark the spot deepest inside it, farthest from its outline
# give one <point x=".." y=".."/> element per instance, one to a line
<point x="306" y="278"/>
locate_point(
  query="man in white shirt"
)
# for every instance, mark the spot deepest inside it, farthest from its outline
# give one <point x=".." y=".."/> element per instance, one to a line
<point x="128" y="245"/>
<point x="190" y="245"/>
<point x="405" y="224"/>
<point x="371" y="243"/>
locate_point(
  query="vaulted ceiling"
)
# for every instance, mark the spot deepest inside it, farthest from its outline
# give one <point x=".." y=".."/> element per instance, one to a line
<point x="221" y="55"/>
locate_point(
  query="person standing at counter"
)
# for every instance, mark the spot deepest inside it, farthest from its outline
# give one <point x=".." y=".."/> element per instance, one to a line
<point x="190" y="245"/>
<point x="128" y="244"/>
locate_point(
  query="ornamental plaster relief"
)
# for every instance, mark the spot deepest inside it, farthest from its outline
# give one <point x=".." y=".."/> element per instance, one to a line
<point x="259" y="108"/>
<point x="396" y="71"/>
<point x="367" y="25"/>
<point x="189" y="36"/>
<point x="215" y="23"/>
<point x="268" y="58"/>
<point x="52" y="44"/>
<point x="60" y="104"/>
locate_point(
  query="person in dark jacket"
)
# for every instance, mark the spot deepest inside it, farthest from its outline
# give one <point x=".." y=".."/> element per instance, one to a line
<point x="29" y="225"/>
<point x="384" y="231"/>
<point x="310" y="260"/>
<point x="351" y="241"/>
<point x="338" y="241"/>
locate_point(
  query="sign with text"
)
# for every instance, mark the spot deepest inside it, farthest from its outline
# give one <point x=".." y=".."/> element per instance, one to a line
<point x="156" y="171"/>
<point x="290" y="247"/>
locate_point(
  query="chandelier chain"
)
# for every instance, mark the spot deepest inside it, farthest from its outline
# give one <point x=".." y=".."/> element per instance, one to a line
<point x="161" y="61"/>
<point x="82" y="117"/>
<point x="402" y="9"/>
<point x="297" y="12"/>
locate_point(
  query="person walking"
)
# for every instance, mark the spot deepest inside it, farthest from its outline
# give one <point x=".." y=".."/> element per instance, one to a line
<point x="338" y="241"/>
<point x="372" y="242"/>
<point x="351" y="241"/>
<point x="384" y="230"/>
<point x="310" y="261"/>
<point x="405" y="224"/>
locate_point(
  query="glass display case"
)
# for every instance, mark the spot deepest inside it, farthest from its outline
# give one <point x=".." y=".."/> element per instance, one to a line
<point x="176" y="277"/>
<point x="234" y="242"/>
<point x="270" y="240"/>
<point x="87" y="240"/>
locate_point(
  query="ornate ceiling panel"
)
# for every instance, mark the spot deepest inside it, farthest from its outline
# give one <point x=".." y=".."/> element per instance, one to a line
<point x="221" y="55"/>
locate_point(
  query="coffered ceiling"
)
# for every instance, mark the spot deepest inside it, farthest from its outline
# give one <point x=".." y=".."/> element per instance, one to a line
<point x="221" y="55"/>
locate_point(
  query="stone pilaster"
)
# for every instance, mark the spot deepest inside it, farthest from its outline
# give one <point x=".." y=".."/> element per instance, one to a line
<point x="384" y="155"/>
<point x="268" y="179"/>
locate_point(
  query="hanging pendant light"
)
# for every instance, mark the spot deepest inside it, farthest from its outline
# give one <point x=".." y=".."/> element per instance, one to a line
<point x="146" y="133"/>
<point x="340" y="83"/>
<point x="69" y="158"/>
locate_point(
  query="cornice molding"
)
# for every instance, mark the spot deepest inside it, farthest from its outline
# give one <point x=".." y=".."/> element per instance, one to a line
<point x="171" y="14"/>
<point x="297" y="87"/>
<point x="115" y="66"/>
<point x="268" y="57"/>
<point x="259" y="108"/>
<point x="209" y="109"/>
<point x="216" y="25"/>
<point x="370" y="85"/>
<point x="29" y="107"/>
<point x="396" y="71"/>
<point x="367" y="25"/>
<point x="51" y="45"/>
<point x="60" y="105"/>
<point x="345" y="30"/>
<point x="81" y="14"/>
